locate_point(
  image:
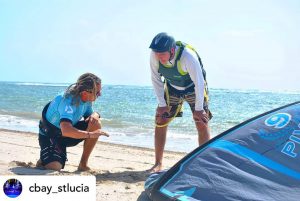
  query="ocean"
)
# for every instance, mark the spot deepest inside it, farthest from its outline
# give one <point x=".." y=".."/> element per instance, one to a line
<point x="128" y="111"/>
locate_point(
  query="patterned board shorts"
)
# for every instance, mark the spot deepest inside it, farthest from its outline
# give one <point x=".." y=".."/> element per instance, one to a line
<point x="55" y="148"/>
<point x="175" y="99"/>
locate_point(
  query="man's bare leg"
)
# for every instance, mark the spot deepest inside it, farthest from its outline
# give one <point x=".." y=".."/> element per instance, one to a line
<point x="160" y="141"/>
<point x="203" y="132"/>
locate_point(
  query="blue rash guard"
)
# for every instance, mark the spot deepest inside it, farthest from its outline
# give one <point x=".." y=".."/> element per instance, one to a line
<point x="62" y="109"/>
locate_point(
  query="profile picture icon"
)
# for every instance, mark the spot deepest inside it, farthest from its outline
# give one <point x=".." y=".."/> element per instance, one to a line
<point x="12" y="188"/>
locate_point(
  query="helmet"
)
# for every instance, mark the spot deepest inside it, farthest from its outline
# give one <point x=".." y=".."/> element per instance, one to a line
<point x="162" y="42"/>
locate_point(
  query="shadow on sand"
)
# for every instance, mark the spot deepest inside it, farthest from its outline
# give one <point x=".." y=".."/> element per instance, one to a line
<point x="125" y="176"/>
<point x="143" y="197"/>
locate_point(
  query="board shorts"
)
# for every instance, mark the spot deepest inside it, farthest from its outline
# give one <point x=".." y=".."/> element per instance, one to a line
<point x="54" y="147"/>
<point x="175" y="99"/>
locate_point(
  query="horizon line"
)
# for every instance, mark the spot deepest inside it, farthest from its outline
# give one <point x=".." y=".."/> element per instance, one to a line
<point x="134" y="85"/>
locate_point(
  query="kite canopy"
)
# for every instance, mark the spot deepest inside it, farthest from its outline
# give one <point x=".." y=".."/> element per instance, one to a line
<point x="258" y="159"/>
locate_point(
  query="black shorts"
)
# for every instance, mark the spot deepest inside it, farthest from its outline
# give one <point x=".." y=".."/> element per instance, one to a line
<point x="55" y="148"/>
<point x="175" y="99"/>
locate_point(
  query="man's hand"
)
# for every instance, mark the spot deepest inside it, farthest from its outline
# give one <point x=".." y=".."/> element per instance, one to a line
<point x="162" y="114"/>
<point x="200" y="116"/>
<point x="161" y="111"/>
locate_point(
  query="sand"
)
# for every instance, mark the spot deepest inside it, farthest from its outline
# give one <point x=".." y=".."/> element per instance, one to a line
<point x="120" y="170"/>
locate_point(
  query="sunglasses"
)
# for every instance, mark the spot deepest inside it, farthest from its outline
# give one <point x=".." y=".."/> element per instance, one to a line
<point x="97" y="94"/>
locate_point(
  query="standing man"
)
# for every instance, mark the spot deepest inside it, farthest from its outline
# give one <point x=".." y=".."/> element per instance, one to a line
<point x="184" y="80"/>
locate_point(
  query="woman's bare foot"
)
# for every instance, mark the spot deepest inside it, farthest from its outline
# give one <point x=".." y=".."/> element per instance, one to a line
<point x="83" y="167"/>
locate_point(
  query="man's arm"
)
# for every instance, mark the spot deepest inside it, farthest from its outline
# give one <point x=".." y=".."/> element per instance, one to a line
<point x="157" y="83"/>
<point x="190" y="62"/>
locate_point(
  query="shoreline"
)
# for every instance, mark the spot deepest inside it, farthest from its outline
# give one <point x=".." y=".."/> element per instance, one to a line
<point x="120" y="170"/>
<point x="101" y="142"/>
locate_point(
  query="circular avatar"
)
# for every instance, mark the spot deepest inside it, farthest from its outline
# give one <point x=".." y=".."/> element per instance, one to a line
<point x="12" y="188"/>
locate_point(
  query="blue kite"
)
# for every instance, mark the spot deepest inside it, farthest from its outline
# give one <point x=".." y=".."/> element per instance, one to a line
<point x="258" y="159"/>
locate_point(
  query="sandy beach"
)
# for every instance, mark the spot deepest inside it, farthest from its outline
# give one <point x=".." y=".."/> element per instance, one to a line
<point x="119" y="169"/>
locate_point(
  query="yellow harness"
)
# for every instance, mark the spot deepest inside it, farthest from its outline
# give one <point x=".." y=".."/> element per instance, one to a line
<point x="179" y="108"/>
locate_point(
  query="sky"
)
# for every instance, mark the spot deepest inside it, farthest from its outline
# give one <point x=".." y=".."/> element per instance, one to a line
<point x="243" y="44"/>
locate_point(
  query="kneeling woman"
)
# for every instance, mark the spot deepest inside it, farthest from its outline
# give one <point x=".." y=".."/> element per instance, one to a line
<point x="69" y="119"/>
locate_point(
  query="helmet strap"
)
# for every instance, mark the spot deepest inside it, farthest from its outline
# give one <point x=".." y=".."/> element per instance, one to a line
<point x="172" y="54"/>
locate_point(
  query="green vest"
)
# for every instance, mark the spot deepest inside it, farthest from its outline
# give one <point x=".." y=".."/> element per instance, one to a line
<point x="174" y="73"/>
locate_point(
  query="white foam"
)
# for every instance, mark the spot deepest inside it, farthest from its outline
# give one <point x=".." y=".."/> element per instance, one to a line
<point x="17" y="123"/>
<point x="41" y="84"/>
<point x="131" y="135"/>
<point x="181" y="136"/>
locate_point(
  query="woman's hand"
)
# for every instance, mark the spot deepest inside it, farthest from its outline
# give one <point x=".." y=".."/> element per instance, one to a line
<point x="94" y="118"/>
<point x="97" y="133"/>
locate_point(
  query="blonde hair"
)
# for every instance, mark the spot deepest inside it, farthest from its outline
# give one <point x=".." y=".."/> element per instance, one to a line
<point x="86" y="82"/>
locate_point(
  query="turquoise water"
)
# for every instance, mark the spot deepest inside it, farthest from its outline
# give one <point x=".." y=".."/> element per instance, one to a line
<point x="128" y="111"/>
